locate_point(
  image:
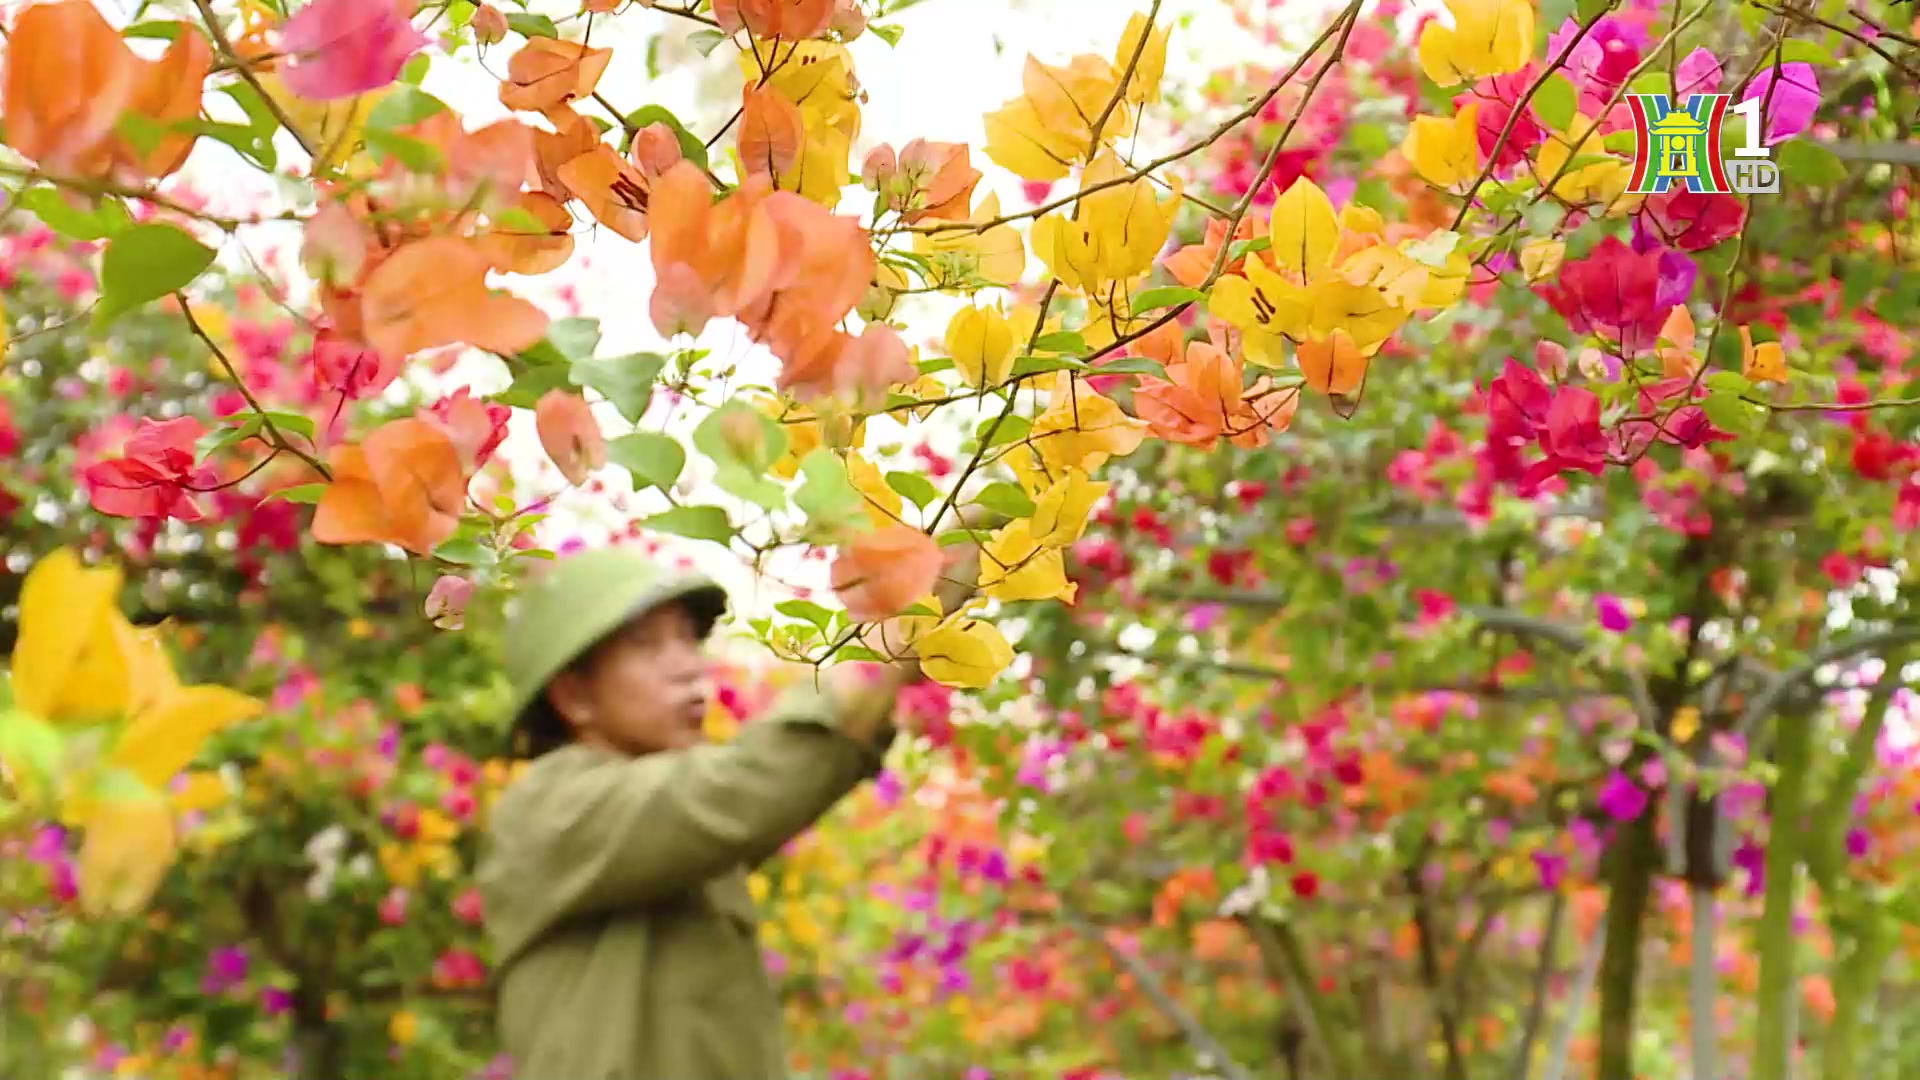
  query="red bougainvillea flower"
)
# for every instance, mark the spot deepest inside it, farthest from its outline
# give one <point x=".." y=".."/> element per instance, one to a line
<point x="1691" y="220"/>
<point x="1496" y="97"/>
<point x="341" y="48"/>
<point x="1614" y="291"/>
<point x="154" y="476"/>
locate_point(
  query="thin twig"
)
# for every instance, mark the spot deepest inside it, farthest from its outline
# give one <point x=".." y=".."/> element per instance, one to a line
<point x="272" y="430"/>
<point x="225" y="48"/>
<point x="1217" y="1057"/>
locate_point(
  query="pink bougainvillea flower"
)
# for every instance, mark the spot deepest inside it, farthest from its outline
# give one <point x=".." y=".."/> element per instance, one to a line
<point x="350" y="368"/>
<point x="476" y="427"/>
<point x="1620" y="798"/>
<point x="153" y="477"/>
<point x="1612" y="613"/>
<point x="340" y="48"/>
<point x="1699" y="73"/>
<point x="1691" y="220"/>
<point x="447" y="601"/>
<point x="1789" y="95"/>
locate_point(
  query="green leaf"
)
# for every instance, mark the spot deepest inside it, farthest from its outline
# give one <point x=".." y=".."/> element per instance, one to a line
<point x="1556" y="102"/>
<point x="1799" y="50"/>
<point x="1165" y="297"/>
<point x="695" y="522"/>
<point x="1132" y="365"/>
<point x="1732" y="415"/>
<point x="531" y="25"/>
<point x="627" y="381"/>
<point x="532" y="384"/>
<point x="299" y="493"/>
<point x="32" y="745"/>
<point x="1037" y="365"/>
<point x="826" y="492"/>
<point x="1062" y="341"/>
<point x="1241" y="248"/>
<point x="807" y="611"/>
<point x="1809" y="163"/>
<point x="691" y="146"/>
<point x="159" y="31"/>
<point x="1369" y="142"/>
<point x="1004" y="431"/>
<point x="576" y="338"/>
<point x="886" y="32"/>
<point x="1005" y="498"/>
<point x="107" y="217"/>
<point x="145" y="263"/>
<point x="654" y="460"/>
<point x="403" y="106"/>
<point x="936" y="365"/>
<point x="290" y="423"/>
<point x="417" y="156"/>
<point x="461" y="552"/>
<point x="225" y="438"/>
<point x="1728" y="382"/>
<point x="757" y="440"/>
<point x="915" y="488"/>
<point x="261" y="122"/>
<point x="705" y="41"/>
<point x="1588" y="10"/>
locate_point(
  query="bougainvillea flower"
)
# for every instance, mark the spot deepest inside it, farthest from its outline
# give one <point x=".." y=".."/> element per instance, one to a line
<point x="446" y="603"/>
<point x="1622" y="799"/>
<point x="68" y="662"/>
<point x="928" y="180"/>
<point x="1446" y="150"/>
<point x="1488" y="37"/>
<point x="571" y="137"/>
<point x="547" y="73"/>
<point x="963" y="652"/>
<point x="1699" y="73"/>
<point x="343" y="48"/>
<point x="434" y="292"/>
<point x="1600" y="64"/>
<point x="615" y="192"/>
<point x="539" y="241"/>
<point x="1190" y="264"/>
<point x="484" y="168"/>
<point x="349" y="367"/>
<point x="475" y="427"/>
<point x="68" y="79"/>
<point x="1517" y="404"/>
<point x="153" y="477"/>
<point x="1571" y="436"/>
<point x="1614" y="291"/>
<point x="1494" y="99"/>
<point x="404" y="485"/>
<point x="769" y="133"/>
<point x="1692" y="220"/>
<point x="167" y="96"/>
<point x="881" y="573"/>
<point x="789" y="20"/>
<point x="569" y="434"/>
<point x="1789" y="96"/>
<point x="656" y="148"/>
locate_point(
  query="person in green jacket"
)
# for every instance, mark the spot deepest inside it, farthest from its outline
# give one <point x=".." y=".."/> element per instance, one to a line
<point x="614" y="876"/>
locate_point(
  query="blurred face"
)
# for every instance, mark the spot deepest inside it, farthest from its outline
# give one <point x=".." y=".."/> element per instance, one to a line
<point x="642" y="690"/>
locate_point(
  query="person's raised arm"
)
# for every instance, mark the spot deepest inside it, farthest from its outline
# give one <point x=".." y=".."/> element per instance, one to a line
<point x="584" y="833"/>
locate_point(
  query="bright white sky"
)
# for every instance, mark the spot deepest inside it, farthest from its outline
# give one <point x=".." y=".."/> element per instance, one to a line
<point x="957" y="60"/>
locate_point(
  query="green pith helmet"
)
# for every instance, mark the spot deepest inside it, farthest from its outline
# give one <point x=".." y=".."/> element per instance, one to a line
<point x="580" y="600"/>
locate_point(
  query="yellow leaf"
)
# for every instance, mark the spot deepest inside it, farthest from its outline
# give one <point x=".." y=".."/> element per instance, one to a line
<point x="1765" y="362"/>
<point x="1601" y="181"/>
<point x="129" y="845"/>
<point x="980" y="340"/>
<point x="1060" y="513"/>
<point x="1014" y="567"/>
<point x="67" y="662"/>
<point x="1444" y="150"/>
<point x="163" y="740"/>
<point x="1081" y="429"/>
<point x="964" y="652"/>
<point x="1019" y="141"/>
<point x="1143" y="86"/>
<point x="821" y="169"/>
<point x="884" y="505"/>
<point x="1488" y="37"/>
<point x="995" y="255"/>
<point x="336" y="129"/>
<point x="1541" y="259"/>
<point x="1304" y="229"/>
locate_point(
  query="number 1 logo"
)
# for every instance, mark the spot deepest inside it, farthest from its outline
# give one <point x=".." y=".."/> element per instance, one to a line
<point x="1682" y="146"/>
